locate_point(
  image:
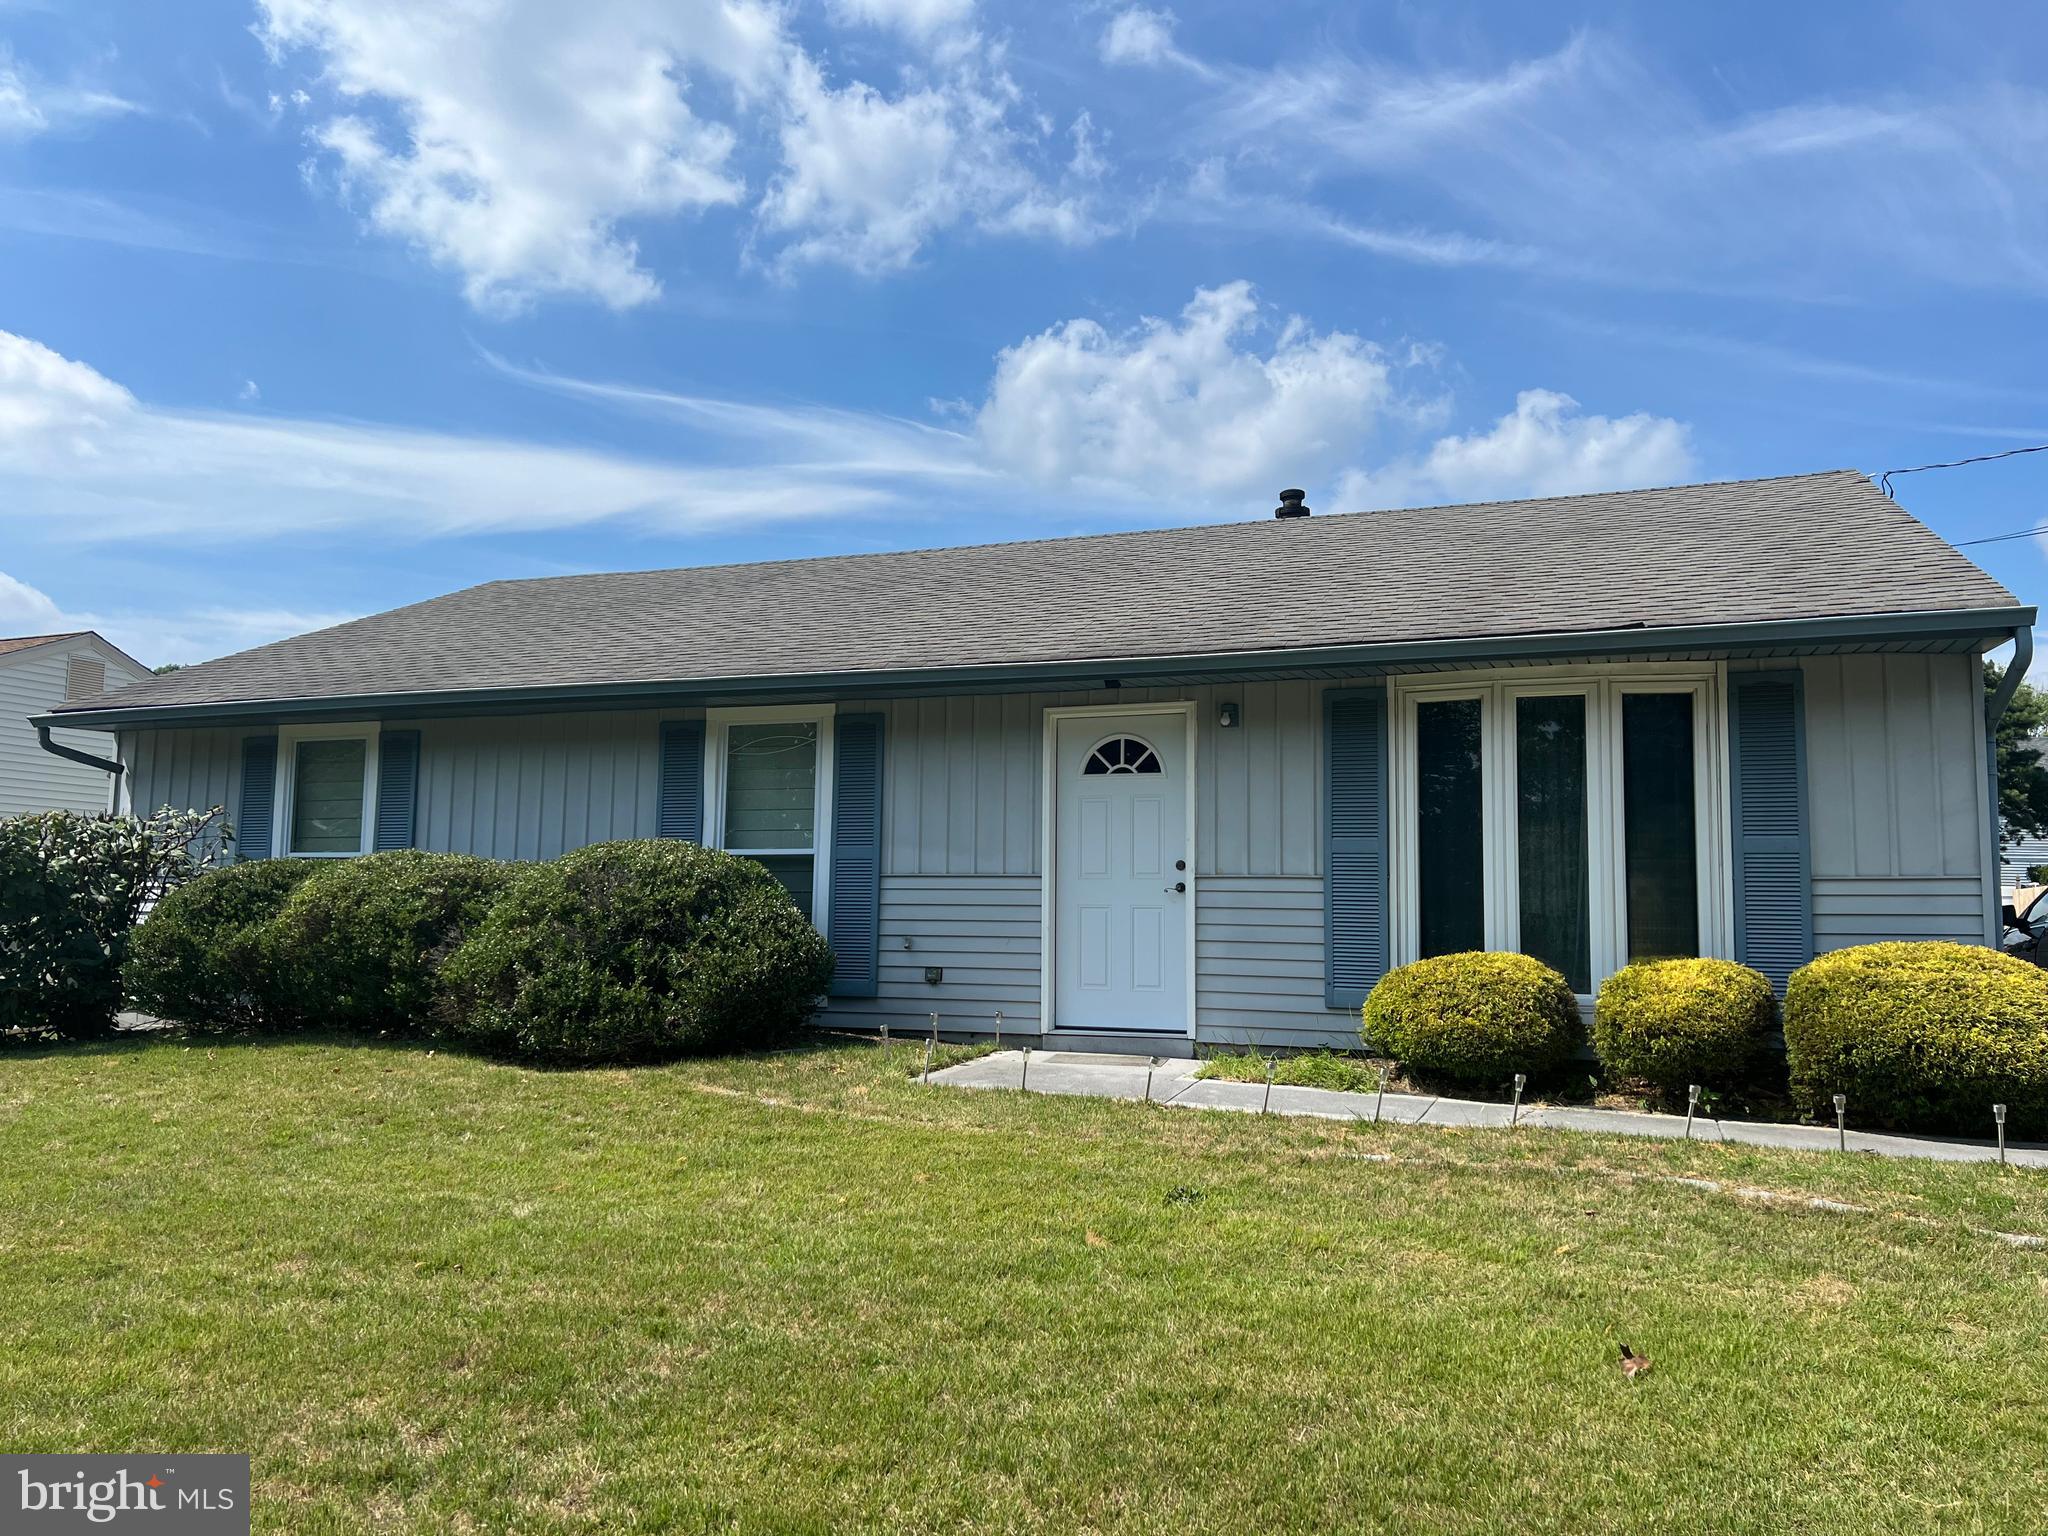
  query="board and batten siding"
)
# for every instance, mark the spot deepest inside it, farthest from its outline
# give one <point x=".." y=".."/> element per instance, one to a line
<point x="1896" y="800"/>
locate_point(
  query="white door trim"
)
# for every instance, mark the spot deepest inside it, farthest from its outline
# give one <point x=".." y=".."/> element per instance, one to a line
<point x="1048" y="840"/>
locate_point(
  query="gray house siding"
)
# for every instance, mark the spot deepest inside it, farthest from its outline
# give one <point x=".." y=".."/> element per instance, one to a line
<point x="1896" y="799"/>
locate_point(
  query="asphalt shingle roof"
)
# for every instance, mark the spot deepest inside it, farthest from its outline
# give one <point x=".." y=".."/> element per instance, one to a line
<point x="29" y="642"/>
<point x="1807" y="546"/>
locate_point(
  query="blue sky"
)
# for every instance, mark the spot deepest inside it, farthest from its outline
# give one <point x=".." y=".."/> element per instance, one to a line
<point x="310" y="308"/>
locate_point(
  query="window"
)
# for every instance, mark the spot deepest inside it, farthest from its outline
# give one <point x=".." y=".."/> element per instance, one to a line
<point x="1572" y="816"/>
<point x="1123" y="754"/>
<point x="770" y="771"/>
<point x="1449" y="837"/>
<point x="327" y="788"/>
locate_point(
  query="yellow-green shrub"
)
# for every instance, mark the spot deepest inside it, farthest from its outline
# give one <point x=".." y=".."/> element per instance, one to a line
<point x="1674" y="1022"/>
<point x="1925" y="1036"/>
<point x="1478" y="1016"/>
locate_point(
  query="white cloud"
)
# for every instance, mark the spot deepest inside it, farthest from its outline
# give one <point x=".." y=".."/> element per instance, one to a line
<point x="1137" y="35"/>
<point x="1170" y="410"/>
<point x="516" y="142"/>
<point x="917" y="18"/>
<point x="1544" y="447"/>
<point x="868" y="179"/>
<point x="1609" y="169"/>
<point x="155" y="637"/>
<point x="51" y="406"/>
<point x="526" y="131"/>
<point x="31" y="105"/>
<point x="81" y="458"/>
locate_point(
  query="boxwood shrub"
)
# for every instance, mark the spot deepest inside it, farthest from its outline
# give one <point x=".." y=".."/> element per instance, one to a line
<point x="359" y="947"/>
<point x="1674" y="1022"/>
<point x="1476" y="1017"/>
<point x="206" y="957"/>
<point x="1924" y="1036"/>
<point x="635" y="951"/>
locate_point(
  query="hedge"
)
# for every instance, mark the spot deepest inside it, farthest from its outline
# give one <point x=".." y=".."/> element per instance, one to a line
<point x="635" y="951"/>
<point x="1676" y="1022"/>
<point x="71" y="889"/>
<point x="1921" y="1036"/>
<point x="207" y="956"/>
<point x="359" y="947"/>
<point x="1478" y="1016"/>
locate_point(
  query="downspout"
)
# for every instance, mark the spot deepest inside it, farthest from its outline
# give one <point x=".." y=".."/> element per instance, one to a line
<point x="1994" y="711"/>
<point x="108" y="765"/>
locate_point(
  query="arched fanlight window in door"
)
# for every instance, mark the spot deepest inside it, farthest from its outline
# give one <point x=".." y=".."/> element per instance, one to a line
<point x="1123" y="754"/>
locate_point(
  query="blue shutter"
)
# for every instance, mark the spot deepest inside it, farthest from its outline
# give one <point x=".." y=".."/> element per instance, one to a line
<point x="259" y="797"/>
<point x="398" y="787"/>
<point x="1354" y="844"/>
<point x="854" y="905"/>
<point x="1773" y="883"/>
<point x="679" y="809"/>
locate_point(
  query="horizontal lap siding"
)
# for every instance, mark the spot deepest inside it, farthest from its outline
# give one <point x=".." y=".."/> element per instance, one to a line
<point x="982" y="931"/>
<point x="1259" y="965"/>
<point x="1866" y="911"/>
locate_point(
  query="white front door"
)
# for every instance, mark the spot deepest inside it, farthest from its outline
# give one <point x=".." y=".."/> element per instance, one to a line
<point x="1120" y="875"/>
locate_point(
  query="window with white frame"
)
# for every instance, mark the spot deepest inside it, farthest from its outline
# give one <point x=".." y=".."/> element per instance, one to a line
<point x="327" y="791"/>
<point x="1576" y="818"/>
<point x="770" y="776"/>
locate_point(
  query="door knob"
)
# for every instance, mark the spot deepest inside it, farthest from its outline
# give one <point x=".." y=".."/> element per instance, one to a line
<point x="1179" y="887"/>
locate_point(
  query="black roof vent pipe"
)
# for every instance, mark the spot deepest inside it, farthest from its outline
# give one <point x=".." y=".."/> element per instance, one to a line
<point x="1290" y="505"/>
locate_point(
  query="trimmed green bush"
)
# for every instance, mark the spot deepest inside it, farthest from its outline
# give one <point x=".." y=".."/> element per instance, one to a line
<point x="358" y="948"/>
<point x="1923" y="1036"/>
<point x="636" y="951"/>
<point x="1674" y="1022"/>
<point x="1477" y="1017"/>
<point x="71" y="889"/>
<point x="207" y="958"/>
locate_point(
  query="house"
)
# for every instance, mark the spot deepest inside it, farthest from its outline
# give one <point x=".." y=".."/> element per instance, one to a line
<point x="39" y="673"/>
<point x="1211" y="781"/>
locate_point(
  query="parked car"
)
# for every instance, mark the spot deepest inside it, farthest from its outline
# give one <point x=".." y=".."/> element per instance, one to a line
<point x="2026" y="923"/>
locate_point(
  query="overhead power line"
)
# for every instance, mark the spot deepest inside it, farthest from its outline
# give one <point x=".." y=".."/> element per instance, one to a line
<point x="1884" y="481"/>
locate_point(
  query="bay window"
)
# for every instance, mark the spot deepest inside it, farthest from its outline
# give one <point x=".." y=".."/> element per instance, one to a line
<point x="1571" y="816"/>
<point x="769" y="777"/>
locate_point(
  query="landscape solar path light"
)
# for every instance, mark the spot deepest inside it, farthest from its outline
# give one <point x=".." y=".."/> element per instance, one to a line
<point x="1379" y="1103"/>
<point x="1998" y="1114"/>
<point x="1842" y="1121"/>
<point x="1515" y="1114"/>
<point x="935" y="1030"/>
<point x="885" y="1039"/>
<point x="1692" y="1102"/>
<point x="1272" y="1064"/>
<point x="1151" y="1066"/>
<point x="999" y="1029"/>
<point x="1024" y="1077"/>
<point x="926" y="1076"/>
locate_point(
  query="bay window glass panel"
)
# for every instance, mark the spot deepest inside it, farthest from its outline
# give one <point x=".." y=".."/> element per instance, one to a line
<point x="1450" y="840"/>
<point x="771" y="786"/>
<point x="1550" y="835"/>
<point x="1660" y="832"/>
<point x="327" y="796"/>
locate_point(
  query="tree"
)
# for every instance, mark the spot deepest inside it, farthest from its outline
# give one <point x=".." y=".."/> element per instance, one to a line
<point x="2022" y="778"/>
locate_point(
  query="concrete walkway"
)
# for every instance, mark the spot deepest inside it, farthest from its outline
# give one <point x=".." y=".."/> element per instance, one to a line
<point x="1174" y="1082"/>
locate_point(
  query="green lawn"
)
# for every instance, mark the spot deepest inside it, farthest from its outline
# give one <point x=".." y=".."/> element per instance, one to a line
<point x="801" y="1292"/>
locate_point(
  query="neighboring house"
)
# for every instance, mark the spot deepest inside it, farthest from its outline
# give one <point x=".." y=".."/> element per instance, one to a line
<point x="1206" y="782"/>
<point x="38" y="673"/>
<point x="2015" y="859"/>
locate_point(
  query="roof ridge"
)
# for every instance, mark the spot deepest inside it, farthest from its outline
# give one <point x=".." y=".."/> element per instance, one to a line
<point x="1324" y="518"/>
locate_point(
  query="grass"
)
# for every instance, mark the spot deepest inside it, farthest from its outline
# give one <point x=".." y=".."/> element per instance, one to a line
<point x="800" y="1292"/>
